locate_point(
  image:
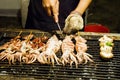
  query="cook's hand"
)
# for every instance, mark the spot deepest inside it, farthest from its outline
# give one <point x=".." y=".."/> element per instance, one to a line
<point x="73" y="23"/>
<point x="52" y="8"/>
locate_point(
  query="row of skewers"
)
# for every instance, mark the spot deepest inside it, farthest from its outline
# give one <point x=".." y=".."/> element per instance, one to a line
<point x="29" y="49"/>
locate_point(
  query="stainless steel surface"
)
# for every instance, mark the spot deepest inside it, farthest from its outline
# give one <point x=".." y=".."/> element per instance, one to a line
<point x="87" y="35"/>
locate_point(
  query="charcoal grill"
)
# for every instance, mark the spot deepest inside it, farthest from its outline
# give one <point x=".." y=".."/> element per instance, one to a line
<point x="99" y="70"/>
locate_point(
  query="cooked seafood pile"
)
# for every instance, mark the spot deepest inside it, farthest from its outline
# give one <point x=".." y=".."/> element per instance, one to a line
<point x="29" y="49"/>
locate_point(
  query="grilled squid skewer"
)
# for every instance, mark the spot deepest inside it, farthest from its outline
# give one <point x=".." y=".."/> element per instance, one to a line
<point x="81" y="49"/>
<point x="68" y="51"/>
<point x="51" y="48"/>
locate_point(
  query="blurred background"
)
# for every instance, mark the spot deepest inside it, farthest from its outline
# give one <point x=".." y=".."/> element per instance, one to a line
<point x="105" y="12"/>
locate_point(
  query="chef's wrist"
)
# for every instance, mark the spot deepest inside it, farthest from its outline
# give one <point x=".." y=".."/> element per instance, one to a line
<point x="76" y="12"/>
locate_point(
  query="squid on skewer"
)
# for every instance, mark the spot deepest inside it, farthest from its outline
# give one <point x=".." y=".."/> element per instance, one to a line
<point x="51" y="48"/>
<point x="68" y="55"/>
<point x="81" y="49"/>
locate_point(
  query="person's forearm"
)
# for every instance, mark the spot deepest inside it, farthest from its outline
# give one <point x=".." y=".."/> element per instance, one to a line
<point x="82" y="6"/>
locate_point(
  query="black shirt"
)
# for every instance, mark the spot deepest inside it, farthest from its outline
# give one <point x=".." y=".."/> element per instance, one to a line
<point x="38" y="18"/>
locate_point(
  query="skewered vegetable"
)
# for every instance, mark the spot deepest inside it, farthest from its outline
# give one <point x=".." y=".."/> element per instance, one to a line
<point x="106" y="47"/>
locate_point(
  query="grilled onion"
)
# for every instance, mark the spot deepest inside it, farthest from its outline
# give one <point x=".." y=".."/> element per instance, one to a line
<point x="106" y="55"/>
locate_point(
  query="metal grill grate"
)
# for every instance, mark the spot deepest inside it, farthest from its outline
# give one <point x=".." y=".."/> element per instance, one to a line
<point x="100" y="70"/>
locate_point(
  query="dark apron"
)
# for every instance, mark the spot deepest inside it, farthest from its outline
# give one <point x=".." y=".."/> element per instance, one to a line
<point x="38" y="19"/>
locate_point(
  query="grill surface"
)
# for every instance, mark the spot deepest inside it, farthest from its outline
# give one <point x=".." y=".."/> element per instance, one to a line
<point x="99" y="70"/>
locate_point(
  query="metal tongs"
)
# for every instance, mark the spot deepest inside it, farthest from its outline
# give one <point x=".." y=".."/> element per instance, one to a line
<point x="60" y="32"/>
<point x="58" y="25"/>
